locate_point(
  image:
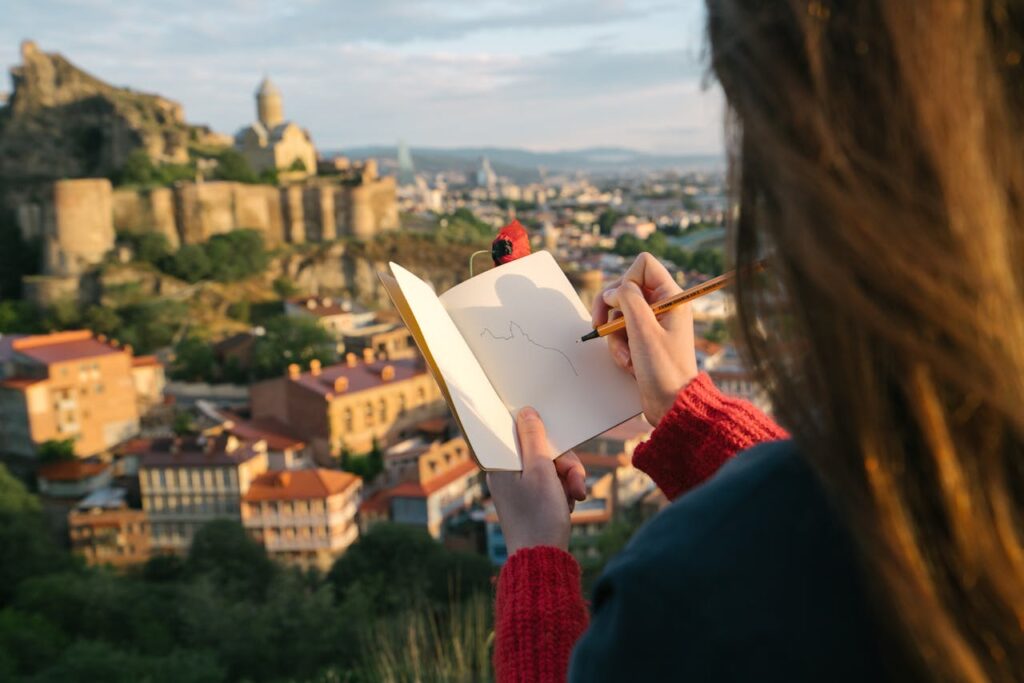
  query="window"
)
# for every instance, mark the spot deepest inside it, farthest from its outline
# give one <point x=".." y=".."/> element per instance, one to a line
<point x="368" y="413"/>
<point x="382" y="410"/>
<point x="348" y="420"/>
<point x="421" y="395"/>
<point x="402" y="403"/>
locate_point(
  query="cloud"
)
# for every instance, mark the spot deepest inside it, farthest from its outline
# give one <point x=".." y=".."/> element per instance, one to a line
<point x="537" y="73"/>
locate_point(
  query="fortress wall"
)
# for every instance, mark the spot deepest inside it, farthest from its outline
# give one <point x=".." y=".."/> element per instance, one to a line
<point x="146" y="211"/>
<point x="204" y="210"/>
<point x="318" y="208"/>
<point x="293" y="215"/>
<point x="370" y="208"/>
<point x="78" y="225"/>
<point x="258" y="207"/>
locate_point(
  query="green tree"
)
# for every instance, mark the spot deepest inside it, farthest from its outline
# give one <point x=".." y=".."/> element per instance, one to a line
<point x="151" y="247"/>
<point x="395" y="566"/>
<point x="27" y="546"/>
<point x="284" y="287"/>
<point x="628" y="245"/>
<point x="607" y="220"/>
<point x="190" y="263"/>
<point x="18" y="257"/>
<point x="223" y="552"/>
<point x="138" y="169"/>
<point x="183" y="424"/>
<point x="290" y="340"/>
<point x="717" y="332"/>
<point x="56" y="451"/>
<point x="103" y="320"/>
<point x="194" y="361"/>
<point x="297" y="165"/>
<point x="18" y="317"/>
<point x="232" y="166"/>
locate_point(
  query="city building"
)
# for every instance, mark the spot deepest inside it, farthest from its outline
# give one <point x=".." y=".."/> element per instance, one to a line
<point x="588" y="519"/>
<point x="149" y="380"/>
<point x="305" y="518"/>
<point x="732" y="377"/>
<point x="67" y="385"/>
<point x="351" y="405"/>
<point x="103" y="530"/>
<point x="271" y="142"/>
<point x="337" y="316"/>
<point x="285" y="451"/>
<point x="631" y="225"/>
<point x="446" y="480"/>
<point x="186" y="483"/>
<point x="73" y="478"/>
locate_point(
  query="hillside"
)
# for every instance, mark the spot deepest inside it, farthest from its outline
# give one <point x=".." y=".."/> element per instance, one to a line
<point x="62" y="122"/>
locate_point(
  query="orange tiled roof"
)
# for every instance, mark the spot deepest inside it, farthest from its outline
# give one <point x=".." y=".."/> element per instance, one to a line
<point x="70" y="470"/>
<point x="377" y="503"/>
<point x="299" y="485"/>
<point x="362" y="376"/>
<point x="20" y="383"/>
<point x="62" y="346"/>
<point x="415" y="489"/>
<point x="145" y="361"/>
<point x="708" y="347"/>
<point x="275" y="433"/>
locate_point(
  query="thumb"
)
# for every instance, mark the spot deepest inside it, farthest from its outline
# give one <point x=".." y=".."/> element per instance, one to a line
<point x="641" y="322"/>
<point x="533" y="438"/>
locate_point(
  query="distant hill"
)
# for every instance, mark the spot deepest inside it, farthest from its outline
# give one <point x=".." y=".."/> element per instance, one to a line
<point x="523" y="165"/>
<point x="61" y="122"/>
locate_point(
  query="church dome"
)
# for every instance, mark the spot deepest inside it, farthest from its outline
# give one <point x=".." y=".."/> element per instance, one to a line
<point x="268" y="88"/>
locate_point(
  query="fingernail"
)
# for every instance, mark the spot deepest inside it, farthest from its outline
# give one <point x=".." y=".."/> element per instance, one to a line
<point x="609" y="293"/>
<point x="623" y="356"/>
<point x="527" y="414"/>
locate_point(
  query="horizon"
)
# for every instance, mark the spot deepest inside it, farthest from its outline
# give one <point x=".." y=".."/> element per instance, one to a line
<point x="437" y="74"/>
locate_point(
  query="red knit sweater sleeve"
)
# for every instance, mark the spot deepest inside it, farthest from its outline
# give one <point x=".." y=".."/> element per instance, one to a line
<point x="702" y="430"/>
<point x="539" y="615"/>
<point x="539" y="612"/>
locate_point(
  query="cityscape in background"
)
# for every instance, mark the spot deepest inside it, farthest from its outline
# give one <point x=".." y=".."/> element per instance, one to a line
<point x="193" y="333"/>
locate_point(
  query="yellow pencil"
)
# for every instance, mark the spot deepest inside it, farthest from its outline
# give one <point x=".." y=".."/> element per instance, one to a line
<point x="666" y="305"/>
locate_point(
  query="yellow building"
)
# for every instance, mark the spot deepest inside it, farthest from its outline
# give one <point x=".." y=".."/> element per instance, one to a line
<point x="66" y="385"/>
<point x="271" y="143"/>
<point x="187" y="483"/>
<point x="305" y="518"/>
<point x="349" y="405"/>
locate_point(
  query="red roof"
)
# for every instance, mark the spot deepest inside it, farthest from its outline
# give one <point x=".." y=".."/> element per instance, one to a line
<point x="62" y="346"/>
<point x="201" y="452"/>
<point x="145" y="361"/>
<point x="277" y="434"/>
<point x="378" y="503"/>
<point x="706" y="346"/>
<point x="71" y="470"/>
<point x="362" y="376"/>
<point x="415" y="489"/>
<point x="299" y="485"/>
<point x="20" y="383"/>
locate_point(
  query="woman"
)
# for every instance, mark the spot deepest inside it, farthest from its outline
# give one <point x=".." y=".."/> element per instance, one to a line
<point x="877" y="162"/>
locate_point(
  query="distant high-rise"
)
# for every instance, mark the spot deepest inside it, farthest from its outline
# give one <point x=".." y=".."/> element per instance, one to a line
<point x="485" y="176"/>
<point x="406" y="169"/>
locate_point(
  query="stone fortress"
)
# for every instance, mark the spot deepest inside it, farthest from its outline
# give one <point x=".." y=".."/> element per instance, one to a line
<point x="77" y="219"/>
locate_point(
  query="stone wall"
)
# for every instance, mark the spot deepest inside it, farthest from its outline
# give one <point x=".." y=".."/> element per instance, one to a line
<point x="146" y="211"/>
<point x="77" y="226"/>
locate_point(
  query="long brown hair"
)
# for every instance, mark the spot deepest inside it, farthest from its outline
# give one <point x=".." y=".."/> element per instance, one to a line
<point x="877" y="159"/>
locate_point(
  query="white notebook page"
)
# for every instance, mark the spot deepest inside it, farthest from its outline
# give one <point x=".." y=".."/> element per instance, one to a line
<point x="523" y="321"/>
<point x="485" y="420"/>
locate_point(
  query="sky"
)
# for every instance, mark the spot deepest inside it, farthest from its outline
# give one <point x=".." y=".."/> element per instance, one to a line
<point x="536" y="74"/>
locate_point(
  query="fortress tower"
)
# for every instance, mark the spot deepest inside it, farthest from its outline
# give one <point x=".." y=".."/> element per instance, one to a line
<point x="269" y="107"/>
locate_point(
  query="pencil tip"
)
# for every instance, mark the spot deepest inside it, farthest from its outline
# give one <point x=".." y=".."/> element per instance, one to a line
<point x="588" y="336"/>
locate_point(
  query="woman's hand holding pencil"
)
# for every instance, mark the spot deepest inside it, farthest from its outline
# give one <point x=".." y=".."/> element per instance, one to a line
<point x="658" y="351"/>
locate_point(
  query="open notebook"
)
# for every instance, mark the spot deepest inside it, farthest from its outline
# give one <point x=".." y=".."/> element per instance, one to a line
<point x="509" y="338"/>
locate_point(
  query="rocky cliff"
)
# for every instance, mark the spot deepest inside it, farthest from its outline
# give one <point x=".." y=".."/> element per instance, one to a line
<point x="61" y="122"/>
